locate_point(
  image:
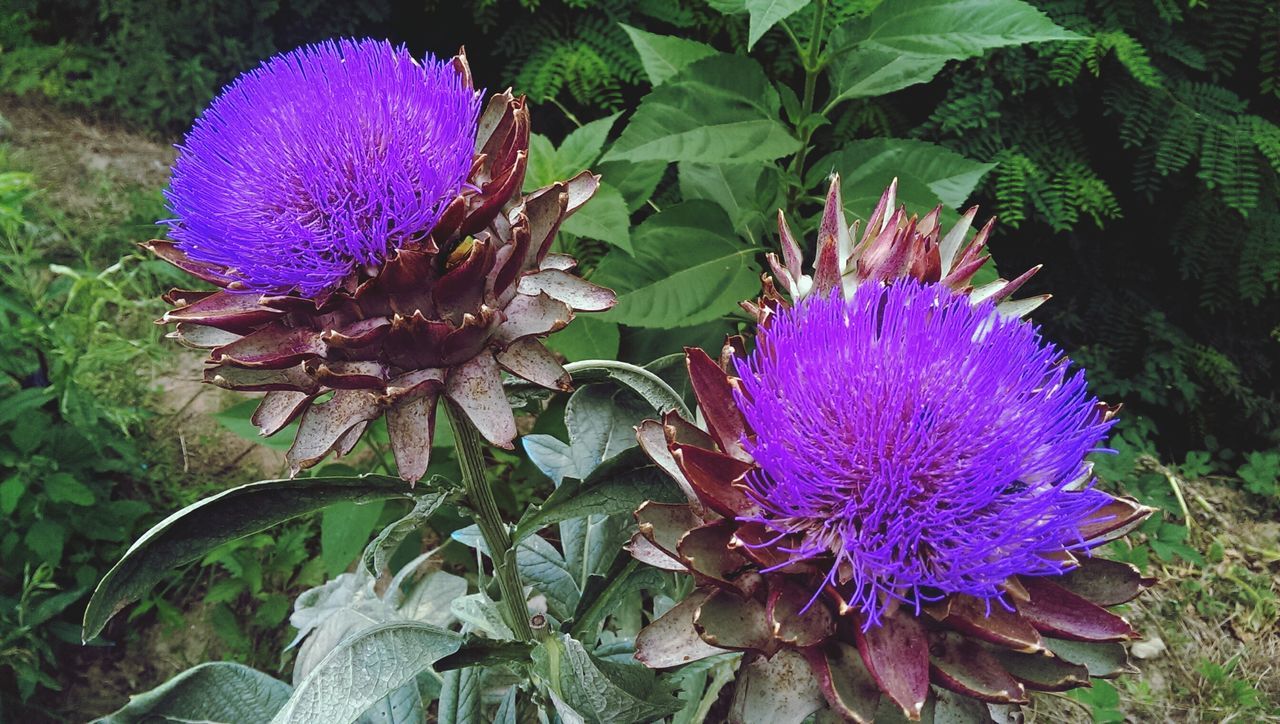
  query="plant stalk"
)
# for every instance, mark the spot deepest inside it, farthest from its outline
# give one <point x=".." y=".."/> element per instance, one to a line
<point x="466" y="441"/>
<point x="812" y="63"/>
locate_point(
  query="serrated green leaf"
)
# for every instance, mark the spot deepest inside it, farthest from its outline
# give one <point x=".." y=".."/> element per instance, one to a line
<point x="190" y="533"/>
<point x="64" y="488"/>
<point x="365" y="668"/>
<point x="548" y="164"/>
<point x="671" y="282"/>
<point x="583" y="145"/>
<point x="720" y="109"/>
<point x="901" y="44"/>
<point x="11" y="491"/>
<point x="662" y="56"/>
<point x="767" y="13"/>
<point x="600" y="691"/>
<point x="219" y="692"/>
<point x="750" y="195"/>
<point x="928" y="174"/>
<point x="604" y="217"/>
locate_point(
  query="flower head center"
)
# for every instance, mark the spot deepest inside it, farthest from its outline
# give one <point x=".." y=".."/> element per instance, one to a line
<point x="916" y="443"/>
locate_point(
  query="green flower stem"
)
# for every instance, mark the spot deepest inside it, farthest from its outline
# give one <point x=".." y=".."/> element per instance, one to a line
<point x="466" y="441"/>
<point x="812" y="63"/>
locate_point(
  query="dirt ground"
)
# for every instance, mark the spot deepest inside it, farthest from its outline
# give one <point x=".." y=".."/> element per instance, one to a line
<point x="1224" y="612"/>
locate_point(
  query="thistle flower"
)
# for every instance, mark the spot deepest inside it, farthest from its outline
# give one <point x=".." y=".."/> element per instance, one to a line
<point x="371" y="248"/>
<point x="890" y="500"/>
<point x="321" y="161"/>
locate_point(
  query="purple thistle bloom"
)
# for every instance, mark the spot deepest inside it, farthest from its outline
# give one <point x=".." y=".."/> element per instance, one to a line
<point x="920" y="444"/>
<point x="321" y="161"/>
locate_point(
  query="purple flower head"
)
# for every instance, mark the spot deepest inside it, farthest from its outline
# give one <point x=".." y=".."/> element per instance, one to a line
<point x="321" y="161"/>
<point x="918" y="444"/>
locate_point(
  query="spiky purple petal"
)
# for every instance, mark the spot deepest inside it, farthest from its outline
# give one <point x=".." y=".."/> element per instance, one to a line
<point x="918" y="444"/>
<point x="320" y="161"/>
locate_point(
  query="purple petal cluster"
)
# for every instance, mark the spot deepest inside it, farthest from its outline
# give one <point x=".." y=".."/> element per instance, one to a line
<point x="321" y="161"/>
<point x="917" y="444"/>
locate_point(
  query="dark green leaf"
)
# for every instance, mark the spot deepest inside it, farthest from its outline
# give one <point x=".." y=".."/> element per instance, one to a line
<point x="927" y="174"/>
<point x="720" y="109"/>
<point x="344" y="531"/>
<point x="604" y="217"/>
<point x="767" y="13"/>
<point x="190" y="533"/>
<point x="664" y="55"/>
<point x="901" y="44"/>
<point x="587" y="338"/>
<point x="751" y="196"/>
<point x="671" y="282"/>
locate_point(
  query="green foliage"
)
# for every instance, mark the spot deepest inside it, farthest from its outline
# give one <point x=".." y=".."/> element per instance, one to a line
<point x="156" y="65"/>
<point x="70" y="470"/>
<point x="1154" y="132"/>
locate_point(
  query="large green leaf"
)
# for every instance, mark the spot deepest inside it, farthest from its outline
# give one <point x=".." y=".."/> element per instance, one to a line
<point x="605" y="217"/>
<point x="927" y="174"/>
<point x="190" y="533"/>
<point x="903" y="43"/>
<point x="214" y="692"/>
<point x="364" y="669"/>
<point x="750" y="195"/>
<point x="598" y="690"/>
<point x="344" y="531"/>
<point x="688" y="269"/>
<point x="665" y="55"/>
<point x="580" y="149"/>
<point x="720" y="109"/>
<point x="866" y="72"/>
<point x="587" y="338"/>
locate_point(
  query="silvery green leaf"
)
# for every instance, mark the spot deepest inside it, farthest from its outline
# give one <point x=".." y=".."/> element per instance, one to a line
<point x="480" y="613"/>
<point x="402" y="706"/>
<point x="620" y="485"/>
<point x="377" y="552"/>
<point x="601" y="423"/>
<point x="215" y="692"/>
<point x="460" y="697"/>
<point x="599" y="691"/>
<point x="363" y="669"/>
<point x="541" y="566"/>
<point x="431" y="599"/>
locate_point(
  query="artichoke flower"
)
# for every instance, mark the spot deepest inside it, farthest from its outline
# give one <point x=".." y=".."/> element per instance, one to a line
<point x="890" y="508"/>
<point x="361" y="218"/>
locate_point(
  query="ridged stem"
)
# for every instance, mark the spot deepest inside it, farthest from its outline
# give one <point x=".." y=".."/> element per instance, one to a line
<point x="467" y="443"/>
